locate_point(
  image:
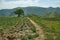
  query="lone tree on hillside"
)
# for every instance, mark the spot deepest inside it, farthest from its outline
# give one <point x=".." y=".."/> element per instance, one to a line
<point x="19" y="12"/>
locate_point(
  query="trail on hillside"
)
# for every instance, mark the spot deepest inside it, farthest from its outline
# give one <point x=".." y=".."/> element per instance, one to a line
<point x="39" y="30"/>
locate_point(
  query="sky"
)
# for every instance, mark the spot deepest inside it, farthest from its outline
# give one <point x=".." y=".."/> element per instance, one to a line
<point x="8" y="4"/>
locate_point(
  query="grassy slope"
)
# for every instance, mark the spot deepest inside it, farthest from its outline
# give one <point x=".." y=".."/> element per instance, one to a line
<point x="51" y="27"/>
<point x="8" y="21"/>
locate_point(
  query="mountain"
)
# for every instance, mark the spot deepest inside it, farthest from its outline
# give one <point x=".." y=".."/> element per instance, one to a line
<point x="29" y="10"/>
<point x="52" y="15"/>
<point x="6" y="12"/>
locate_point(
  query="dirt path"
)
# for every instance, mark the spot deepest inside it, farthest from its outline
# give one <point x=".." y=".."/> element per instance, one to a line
<point x="39" y="30"/>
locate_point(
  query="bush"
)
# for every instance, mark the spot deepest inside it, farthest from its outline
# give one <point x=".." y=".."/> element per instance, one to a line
<point x="36" y="35"/>
<point x="30" y="37"/>
<point x="24" y="38"/>
<point x="27" y="37"/>
<point x="33" y="29"/>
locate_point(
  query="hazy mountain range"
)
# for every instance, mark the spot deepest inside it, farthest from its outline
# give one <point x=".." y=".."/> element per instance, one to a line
<point x="30" y="10"/>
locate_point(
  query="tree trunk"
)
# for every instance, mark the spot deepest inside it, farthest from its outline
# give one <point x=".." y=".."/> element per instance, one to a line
<point x="18" y="15"/>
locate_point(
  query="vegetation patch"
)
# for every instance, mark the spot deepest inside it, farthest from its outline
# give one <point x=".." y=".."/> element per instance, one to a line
<point x="8" y="21"/>
<point x="30" y="36"/>
<point x="51" y="27"/>
<point x="33" y="28"/>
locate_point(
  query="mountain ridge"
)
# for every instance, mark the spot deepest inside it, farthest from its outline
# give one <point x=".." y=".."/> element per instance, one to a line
<point x="30" y="10"/>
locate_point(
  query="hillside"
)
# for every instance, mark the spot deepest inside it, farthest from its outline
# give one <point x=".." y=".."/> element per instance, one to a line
<point x="29" y="10"/>
<point x="52" y="15"/>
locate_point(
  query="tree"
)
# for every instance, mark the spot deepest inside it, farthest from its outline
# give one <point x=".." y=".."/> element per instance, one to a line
<point x="19" y="12"/>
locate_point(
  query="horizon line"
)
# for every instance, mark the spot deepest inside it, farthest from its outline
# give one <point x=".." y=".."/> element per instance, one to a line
<point x="29" y="6"/>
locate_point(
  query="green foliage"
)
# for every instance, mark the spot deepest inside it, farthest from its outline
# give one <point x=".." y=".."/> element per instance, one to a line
<point x="36" y="35"/>
<point x="19" y="12"/>
<point x="58" y="36"/>
<point x="49" y="37"/>
<point x="51" y="26"/>
<point x="8" y="21"/>
<point x="30" y="37"/>
<point x="1" y="30"/>
<point x="27" y="37"/>
<point x="52" y="19"/>
<point x="33" y="28"/>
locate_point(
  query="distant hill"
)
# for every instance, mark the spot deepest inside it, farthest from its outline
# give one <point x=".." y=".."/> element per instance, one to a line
<point x="52" y="15"/>
<point x="6" y="12"/>
<point x="40" y="11"/>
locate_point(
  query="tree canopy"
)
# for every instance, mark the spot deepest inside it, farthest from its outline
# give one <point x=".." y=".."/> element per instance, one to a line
<point x="19" y="12"/>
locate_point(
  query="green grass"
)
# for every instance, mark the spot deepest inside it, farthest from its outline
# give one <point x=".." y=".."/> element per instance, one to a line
<point x="30" y="36"/>
<point x="51" y="26"/>
<point x="52" y="19"/>
<point x="8" y="21"/>
<point x="33" y="28"/>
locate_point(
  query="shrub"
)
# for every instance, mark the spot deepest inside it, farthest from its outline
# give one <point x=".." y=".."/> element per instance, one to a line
<point x="33" y="29"/>
<point x="30" y="37"/>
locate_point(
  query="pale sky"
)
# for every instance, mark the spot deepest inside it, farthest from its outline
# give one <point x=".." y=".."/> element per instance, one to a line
<point x="8" y="4"/>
